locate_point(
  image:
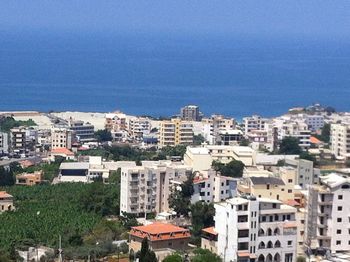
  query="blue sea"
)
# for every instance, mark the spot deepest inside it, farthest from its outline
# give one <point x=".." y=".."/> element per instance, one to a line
<point x="157" y="74"/>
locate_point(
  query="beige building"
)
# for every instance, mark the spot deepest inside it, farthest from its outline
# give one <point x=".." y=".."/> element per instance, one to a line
<point x="6" y="202"/>
<point x="175" y="132"/>
<point x="29" y="179"/>
<point x="160" y="236"/>
<point x="340" y="141"/>
<point x="61" y="138"/>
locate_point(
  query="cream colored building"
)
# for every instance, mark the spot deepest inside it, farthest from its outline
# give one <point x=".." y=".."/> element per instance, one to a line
<point x="340" y="141"/>
<point x="61" y="138"/>
<point x="6" y="202"/>
<point x="175" y="132"/>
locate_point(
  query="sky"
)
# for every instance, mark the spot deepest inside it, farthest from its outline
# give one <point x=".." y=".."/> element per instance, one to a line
<point x="305" y="18"/>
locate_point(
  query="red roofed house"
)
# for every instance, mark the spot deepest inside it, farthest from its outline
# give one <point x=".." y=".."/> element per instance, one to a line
<point x="209" y="239"/>
<point x="63" y="152"/>
<point x="160" y="236"/>
<point x="6" y="202"/>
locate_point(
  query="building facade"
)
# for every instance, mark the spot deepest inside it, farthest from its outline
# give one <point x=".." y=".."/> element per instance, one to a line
<point x="190" y="113"/>
<point x="175" y="132"/>
<point x="61" y="138"/>
<point x="340" y="141"/>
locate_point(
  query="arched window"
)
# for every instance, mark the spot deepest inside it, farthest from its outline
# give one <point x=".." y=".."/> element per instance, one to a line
<point x="261" y="232"/>
<point x="277" y="258"/>
<point x="269" y="244"/>
<point x="277" y="244"/>
<point x="262" y="245"/>
<point x="261" y="258"/>
<point x="346" y="186"/>
<point x="269" y="232"/>
<point x="276" y="231"/>
<point x="269" y="258"/>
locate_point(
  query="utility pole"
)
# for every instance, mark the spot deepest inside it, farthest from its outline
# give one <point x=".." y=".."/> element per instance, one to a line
<point x="60" y="259"/>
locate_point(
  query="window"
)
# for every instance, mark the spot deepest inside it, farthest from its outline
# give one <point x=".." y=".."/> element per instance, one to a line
<point x="267" y="186"/>
<point x="290" y="190"/>
<point x="274" y="205"/>
<point x="289" y="243"/>
<point x="339" y="219"/>
<point x="338" y="231"/>
<point x="290" y="180"/>
<point x="340" y="208"/>
<point x="338" y="242"/>
<point x="340" y="197"/>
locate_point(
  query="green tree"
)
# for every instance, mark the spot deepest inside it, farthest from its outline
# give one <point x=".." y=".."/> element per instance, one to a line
<point x="103" y="135"/>
<point x="244" y="142"/>
<point x="290" y="146"/>
<point x="173" y="258"/>
<point x="114" y="177"/>
<point x="301" y="259"/>
<point x="146" y="254"/>
<point x="307" y="156"/>
<point x="202" y="216"/>
<point x="198" y="139"/>
<point x="204" y="255"/>
<point x="234" y="168"/>
<point x="325" y="133"/>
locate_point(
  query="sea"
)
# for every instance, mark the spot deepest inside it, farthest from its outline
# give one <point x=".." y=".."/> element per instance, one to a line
<point x="158" y="74"/>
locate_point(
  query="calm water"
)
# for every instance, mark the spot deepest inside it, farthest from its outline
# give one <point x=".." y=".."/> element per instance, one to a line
<point x="157" y="75"/>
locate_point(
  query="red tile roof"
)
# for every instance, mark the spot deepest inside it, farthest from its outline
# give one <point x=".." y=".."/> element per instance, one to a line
<point x="160" y="231"/>
<point x="62" y="150"/>
<point x="292" y="202"/>
<point x="210" y="230"/>
<point x="314" y="140"/>
<point x="4" y="194"/>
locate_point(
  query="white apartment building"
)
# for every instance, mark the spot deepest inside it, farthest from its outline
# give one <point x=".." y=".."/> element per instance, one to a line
<point x="340" y="141"/>
<point x="254" y="122"/>
<point x="146" y="188"/>
<point x="306" y="174"/>
<point x="4" y="142"/>
<point x="175" y="132"/>
<point x="61" y="138"/>
<point x="215" y="124"/>
<point x="253" y="229"/>
<point x="328" y="214"/>
<point x="139" y="126"/>
<point x="210" y="187"/>
<point x="116" y="121"/>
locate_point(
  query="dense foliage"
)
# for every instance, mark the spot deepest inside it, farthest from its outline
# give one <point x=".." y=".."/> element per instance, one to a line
<point x="204" y="255"/>
<point x="325" y="133"/>
<point x="146" y="254"/>
<point x="103" y="135"/>
<point x="232" y="169"/>
<point x="173" y="258"/>
<point x="202" y="216"/>
<point x="198" y="139"/>
<point x="289" y="146"/>
<point x="7" y="123"/>
<point x="47" y="211"/>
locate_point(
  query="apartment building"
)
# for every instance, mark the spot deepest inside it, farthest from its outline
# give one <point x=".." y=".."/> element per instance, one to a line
<point x="210" y="187"/>
<point x="215" y="124"/>
<point x="201" y="158"/>
<point x="6" y="202"/>
<point x="61" y="138"/>
<point x="18" y="140"/>
<point x="328" y="216"/>
<point x="253" y="123"/>
<point x="116" y="121"/>
<point x="4" y="143"/>
<point x="306" y="173"/>
<point x="146" y="188"/>
<point x="340" y="141"/>
<point x="253" y="229"/>
<point x="314" y="122"/>
<point x="139" y="126"/>
<point x="229" y="137"/>
<point x="175" y="132"/>
<point x="190" y="113"/>
<point x="84" y="132"/>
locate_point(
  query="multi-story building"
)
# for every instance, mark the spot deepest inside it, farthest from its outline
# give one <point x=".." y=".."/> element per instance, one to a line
<point x="215" y="124"/>
<point x="253" y="229"/>
<point x="175" y="132"/>
<point x="328" y="212"/>
<point x="146" y="188"/>
<point x="306" y="173"/>
<point x="190" y="113"/>
<point x="6" y="202"/>
<point x="18" y="140"/>
<point x="254" y="122"/>
<point x="314" y="122"/>
<point x="61" y="138"/>
<point x="4" y="143"/>
<point x="29" y="179"/>
<point x="84" y="132"/>
<point x="116" y="122"/>
<point x="340" y="141"/>
<point x="229" y="137"/>
<point x="139" y="126"/>
<point x="209" y="186"/>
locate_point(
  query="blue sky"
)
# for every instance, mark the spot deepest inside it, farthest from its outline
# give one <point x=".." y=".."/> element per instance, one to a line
<point x="306" y="18"/>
